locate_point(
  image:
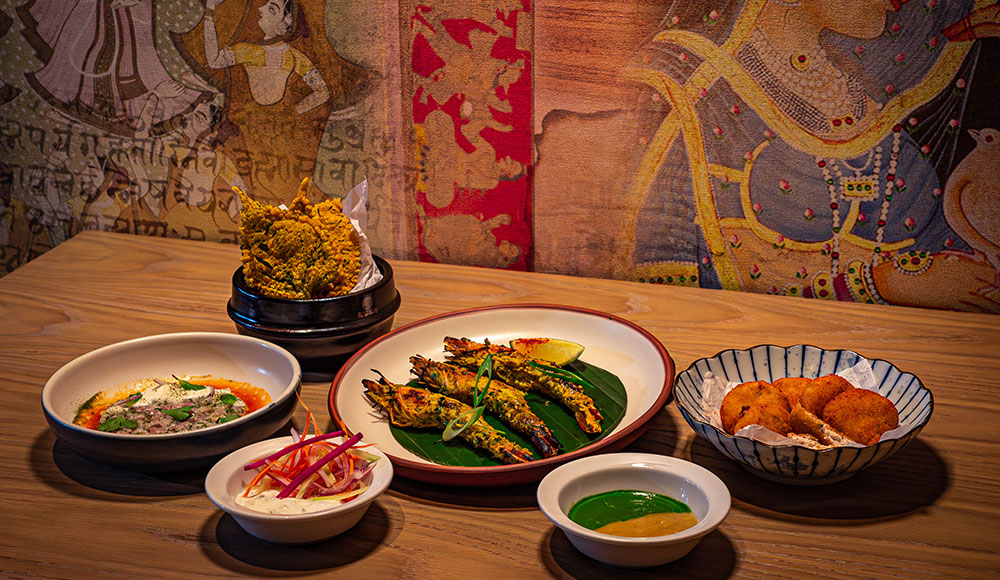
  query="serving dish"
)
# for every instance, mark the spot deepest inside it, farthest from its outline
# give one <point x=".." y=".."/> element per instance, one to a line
<point x="612" y="343"/>
<point x="227" y="478"/>
<point x="323" y="332"/>
<point x="706" y="495"/>
<point x="795" y="464"/>
<point x="231" y="356"/>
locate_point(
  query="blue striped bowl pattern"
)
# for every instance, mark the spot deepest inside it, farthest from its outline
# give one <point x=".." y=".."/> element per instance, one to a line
<point x="794" y="464"/>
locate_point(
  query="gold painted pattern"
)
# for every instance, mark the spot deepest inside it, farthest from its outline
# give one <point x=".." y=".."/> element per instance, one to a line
<point x="719" y="62"/>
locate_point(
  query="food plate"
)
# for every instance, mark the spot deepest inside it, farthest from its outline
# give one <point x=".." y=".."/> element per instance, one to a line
<point x="612" y="343"/>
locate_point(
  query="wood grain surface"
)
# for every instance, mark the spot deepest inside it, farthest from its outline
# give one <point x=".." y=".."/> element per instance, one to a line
<point x="931" y="511"/>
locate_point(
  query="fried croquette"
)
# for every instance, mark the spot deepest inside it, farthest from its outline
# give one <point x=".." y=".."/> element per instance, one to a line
<point x="816" y="413"/>
<point x="821" y="391"/>
<point x="771" y="416"/>
<point x="792" y="387"/>
<point x="862" y="415"/>
<point x="804" y="422"/>
<point x="738" y="401"/>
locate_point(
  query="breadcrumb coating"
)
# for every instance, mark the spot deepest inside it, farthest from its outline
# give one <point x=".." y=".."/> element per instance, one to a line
<point x="305" y="251"/>
<point x="745" y="398"/>
<point x="821" y="391"/>
<point x="847" y="414"/>
<point x="792" y="387"/>
<point x="861" y="415"/>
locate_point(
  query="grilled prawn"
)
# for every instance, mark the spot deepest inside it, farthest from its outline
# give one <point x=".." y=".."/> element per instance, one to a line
<point x="517" y="370"/>
<point x="503" y="400"/>
<point x="412" y="407"/>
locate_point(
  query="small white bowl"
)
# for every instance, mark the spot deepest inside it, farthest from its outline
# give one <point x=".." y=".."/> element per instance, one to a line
<point x="227" y="479"/>
<point x="706" y="495"/>
<point x="229" y="356"/>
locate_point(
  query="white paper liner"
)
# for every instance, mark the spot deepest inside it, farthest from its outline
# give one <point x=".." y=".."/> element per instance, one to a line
<point x="356" y="209"/>
<point x="715" y="389"/>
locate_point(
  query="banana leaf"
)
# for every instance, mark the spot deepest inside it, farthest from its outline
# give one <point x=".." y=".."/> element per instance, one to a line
<point x="609" y="397"/>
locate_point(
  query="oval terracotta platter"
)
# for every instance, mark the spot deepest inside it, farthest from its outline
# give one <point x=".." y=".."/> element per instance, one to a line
<point x="612" y="343"/>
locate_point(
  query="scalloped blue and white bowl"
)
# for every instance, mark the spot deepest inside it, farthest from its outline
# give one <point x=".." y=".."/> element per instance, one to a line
<point x="795" y="464"/>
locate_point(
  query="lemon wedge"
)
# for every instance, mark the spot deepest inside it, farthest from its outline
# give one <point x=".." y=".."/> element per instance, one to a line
<point x="557" y="351"/>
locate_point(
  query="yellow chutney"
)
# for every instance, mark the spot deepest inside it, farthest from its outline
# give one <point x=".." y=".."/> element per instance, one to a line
<point x="661" y="524"/>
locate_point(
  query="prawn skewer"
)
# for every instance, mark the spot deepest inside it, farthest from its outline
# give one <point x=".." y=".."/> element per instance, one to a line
<point x="413" y="407"/>
<point x="503" y="400"/>
<point x="517" y="371"/>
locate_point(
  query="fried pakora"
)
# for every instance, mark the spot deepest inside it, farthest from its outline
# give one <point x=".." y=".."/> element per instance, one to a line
<point x="821" y="391"/>
<point x="792" y="387"/>
<point x="300" y="252"/>
<point x="745" y="398"/>
<point x="771" y="416"/>
<point x="804" y="422"/>
<point x="816" y="413"/>
<point x="862" y="415"/>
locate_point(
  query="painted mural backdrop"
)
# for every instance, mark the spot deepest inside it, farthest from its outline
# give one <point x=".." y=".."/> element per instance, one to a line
<point x="141" y="116"/>
<point x="833" y="150"/>
<point x="839" y="150"/>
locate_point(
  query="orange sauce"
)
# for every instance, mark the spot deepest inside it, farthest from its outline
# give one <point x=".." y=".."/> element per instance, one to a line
<point x="93" y="417"/>
<point x="254" y="397"/>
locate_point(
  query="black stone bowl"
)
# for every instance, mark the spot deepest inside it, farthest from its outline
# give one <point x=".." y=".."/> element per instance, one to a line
<point x="321" y="333"/>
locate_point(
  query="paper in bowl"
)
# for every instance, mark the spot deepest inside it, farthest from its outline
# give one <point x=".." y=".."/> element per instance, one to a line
<point x="356" y="209"/>
<point x="716" y="388"/>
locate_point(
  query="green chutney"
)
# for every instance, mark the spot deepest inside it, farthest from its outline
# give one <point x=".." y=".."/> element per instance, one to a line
<point x="598" y="510"/>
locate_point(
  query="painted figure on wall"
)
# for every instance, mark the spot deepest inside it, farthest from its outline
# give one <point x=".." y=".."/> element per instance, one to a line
<point x="197" y="185"/>
<point x="283" y="83"/>
<point x="7" y="92"/>
<point x="803" y="148"/>
<point x="136" y="125"/>
<point x="100" y="61"/>
<point x="278" y="96"/>
<point x="113" y="204"/>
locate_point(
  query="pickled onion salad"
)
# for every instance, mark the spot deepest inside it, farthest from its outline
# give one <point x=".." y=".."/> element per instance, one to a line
<point x="311" y="474"/>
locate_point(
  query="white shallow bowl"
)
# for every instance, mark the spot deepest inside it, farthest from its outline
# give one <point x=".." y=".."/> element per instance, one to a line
<point x="229" y="356"/>
<point x="227" y="479"/>
<point x="706" y="495"/>
<point x="795" y="464"/>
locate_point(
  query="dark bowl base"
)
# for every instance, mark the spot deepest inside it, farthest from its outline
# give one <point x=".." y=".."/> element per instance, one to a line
<point x="321" y="356"/>
<point x="319" y="370"/>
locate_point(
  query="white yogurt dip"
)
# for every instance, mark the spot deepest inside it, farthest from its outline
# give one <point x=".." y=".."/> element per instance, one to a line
<point x="268" y="503"/>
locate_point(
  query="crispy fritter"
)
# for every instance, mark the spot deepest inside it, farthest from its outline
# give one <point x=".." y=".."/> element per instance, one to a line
<point x="792" y="387"/>
<point x="743" y="397"/>
<point x="805" y="423"/>
<point x="816" y="413"/>
<point x="821" y="391"/>
<point x="862" y="415"/>
<point x="771" y="416"/>
<point x="304" y="251"/>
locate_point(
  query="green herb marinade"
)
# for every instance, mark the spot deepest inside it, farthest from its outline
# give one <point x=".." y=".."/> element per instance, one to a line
<point x="605" y="388"/>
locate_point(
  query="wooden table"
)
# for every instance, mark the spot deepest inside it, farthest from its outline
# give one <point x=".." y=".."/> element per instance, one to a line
<point x="931" y="511"/>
